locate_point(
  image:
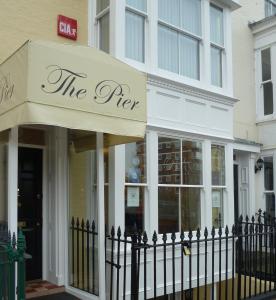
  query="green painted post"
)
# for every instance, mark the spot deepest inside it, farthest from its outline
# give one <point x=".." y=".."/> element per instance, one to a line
<point x="1" y="273"/>
<point x="11" y="269"/>
<point x="21" y="247"/>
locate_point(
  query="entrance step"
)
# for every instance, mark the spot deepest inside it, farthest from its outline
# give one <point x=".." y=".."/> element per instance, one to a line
<point x="61" y="296"/>
<point x="36" y="289"/>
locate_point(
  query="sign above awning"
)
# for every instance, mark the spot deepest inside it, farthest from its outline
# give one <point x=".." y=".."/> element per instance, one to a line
<point x="74" y="87"/>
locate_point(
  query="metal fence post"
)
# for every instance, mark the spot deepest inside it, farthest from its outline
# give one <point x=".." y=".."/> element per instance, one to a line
<point x="11" y="268"/>
<point x="134" y="268"/>
<point x="21" y="247"/>
<point x="239" y="256"/>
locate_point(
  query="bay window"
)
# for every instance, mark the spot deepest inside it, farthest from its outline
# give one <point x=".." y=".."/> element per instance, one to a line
<point x="179" y="184"/>
<point x="218" y="184"/>
<point x="136" y="14"/>
<point x="269" y="186"/>
<point x="267" y="85"/>
<point x="179" y="36"/>
<point x="102" y="19"/>
<point x="217" y="44"/>
<point x="135" y="185"/>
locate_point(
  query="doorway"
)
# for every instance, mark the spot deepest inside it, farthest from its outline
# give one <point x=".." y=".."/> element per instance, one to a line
<point x="30" y="168"/>
<point x="236" y="192"/>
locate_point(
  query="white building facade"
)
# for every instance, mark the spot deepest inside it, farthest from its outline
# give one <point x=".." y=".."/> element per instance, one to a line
<point x="185" y="165"/>
<point x="254" y="26"/>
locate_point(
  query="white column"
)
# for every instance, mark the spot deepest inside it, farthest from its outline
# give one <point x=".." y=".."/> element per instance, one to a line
<point x="61" y="205"/>
<point x="205" y="68"/>
<point x="206" y="204"/>
<point x="116" y="208"/>
<point x="152" y="35"/>
<point x="117" y="28"/>
<point x="229" y="217"/>
<point x="252" y="185"/>
<point x="12" y="179"/>
<point x="101" y="219"/>
<point x="151" y="206"/>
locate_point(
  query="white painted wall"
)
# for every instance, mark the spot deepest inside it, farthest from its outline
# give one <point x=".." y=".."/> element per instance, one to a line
<point x="185" y="110"/>
<point x="243" y="68"/>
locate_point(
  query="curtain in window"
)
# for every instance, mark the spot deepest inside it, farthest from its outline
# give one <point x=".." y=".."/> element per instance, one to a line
<point x="191" y="16"/>
<point x="168" y="11"/>
<point x="189" y="57"/>
<point x="135" y="36"/>
<point x="216" y="25"/>
<point x="138" y="4"/>
<point x="216" y="67"/>
<point x="104" y="33"/>
<point x="168" y="49"/>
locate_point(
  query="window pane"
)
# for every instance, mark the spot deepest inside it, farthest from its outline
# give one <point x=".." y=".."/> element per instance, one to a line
<point x="216" y="25"/>
<point x="216" y="66"/>
<point x="168" y="11"/>
<point x="270" y="205"/>
<point x="82" y="175"/>
<point x="268" y="173"/>
<point x="101" y="5"/>
<point x="134" y="208"/>
<point x="104" y="33"/>
<point x="138" y="4"/>
<point x="167" y="49"/>
<point x="135" y="44"/>
<point x="266" y="65"/>
<point x="190" y="208"/>
<point x="3" y="184"/>
<point x="268" y="98"/>
<point x="136" y="162"/>
<point x="191" y="162"/>
<point x="218" y="165"/>
<point x="217" y="207"/>
<point x="189" y="57"/>
<point x="191" y="16"/>
<point x="169" y="160"/>
<point x="168" y="209"/>
<point x="270" y="8"/>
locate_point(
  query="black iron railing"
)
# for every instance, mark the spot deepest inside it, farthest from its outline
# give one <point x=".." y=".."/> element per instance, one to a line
<point x="84" y="256"/>
<point x="231" y="263"/>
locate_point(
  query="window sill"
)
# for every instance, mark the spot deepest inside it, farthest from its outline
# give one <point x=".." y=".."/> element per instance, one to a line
<point x="264" y="119"/>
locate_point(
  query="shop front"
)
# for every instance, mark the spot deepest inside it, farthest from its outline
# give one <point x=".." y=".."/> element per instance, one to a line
<point x="61" y="108"/>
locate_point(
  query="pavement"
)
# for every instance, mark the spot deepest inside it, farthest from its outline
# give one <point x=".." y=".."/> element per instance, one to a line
<point x="61" y="296"/>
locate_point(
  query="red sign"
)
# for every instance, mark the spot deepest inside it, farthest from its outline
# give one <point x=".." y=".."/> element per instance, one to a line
<point x="67" y="27"/>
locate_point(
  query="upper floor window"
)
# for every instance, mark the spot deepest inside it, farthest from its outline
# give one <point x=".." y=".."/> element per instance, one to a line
<point x="102" y="18"/>
<point x="217" y="44"/>
<point x="179" y="35"/>
<point x="270" y="8"/>
<point x="266" y="84"/>
<point x="136" y="13"/>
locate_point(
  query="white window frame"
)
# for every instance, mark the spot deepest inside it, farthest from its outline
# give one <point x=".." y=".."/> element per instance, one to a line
<point x="98" y="17"/>
<point x="186" y="33"/>
<point x="143" y="14"/>
<point x="266" y="81"/>
<point x="267" y="192"/>
<point x="260" y="116"/>
<point x="222" y="48"/>
<point x="220" y="187"/>
<point x="272" y="6"/>
<point x="180" y="185"/>
<point x="144" y="184"/>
